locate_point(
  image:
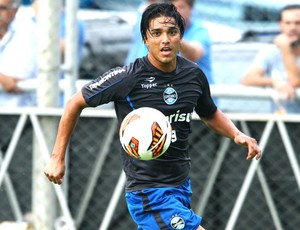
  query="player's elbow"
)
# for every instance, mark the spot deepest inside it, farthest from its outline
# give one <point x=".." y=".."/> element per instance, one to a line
<point x="76" y="102"/>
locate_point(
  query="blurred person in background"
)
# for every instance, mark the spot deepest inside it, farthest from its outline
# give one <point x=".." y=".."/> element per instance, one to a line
<point x="18" y="56"/>
<point x="195" y="45"/>
<point x="278" y="64"/>
<point x="18" y="62"/>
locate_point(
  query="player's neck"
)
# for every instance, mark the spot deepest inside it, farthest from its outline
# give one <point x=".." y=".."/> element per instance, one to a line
<point x="164" y="67"/>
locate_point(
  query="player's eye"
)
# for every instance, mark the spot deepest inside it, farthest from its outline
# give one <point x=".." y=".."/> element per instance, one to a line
<point x="173" y="32"/>
<point x="156" y="33"/>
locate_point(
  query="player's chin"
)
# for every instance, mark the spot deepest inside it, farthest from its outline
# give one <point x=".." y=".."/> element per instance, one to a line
<point x="167" y="59"/>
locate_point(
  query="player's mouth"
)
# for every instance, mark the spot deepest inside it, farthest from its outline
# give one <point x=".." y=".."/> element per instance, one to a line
<point x="166" y="50"/>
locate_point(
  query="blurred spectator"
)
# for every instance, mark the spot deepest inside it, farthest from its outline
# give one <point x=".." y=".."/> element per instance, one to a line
<point x="278" y="64"/>
<point x="18" y="55"/>
<point x="196" y="43"/>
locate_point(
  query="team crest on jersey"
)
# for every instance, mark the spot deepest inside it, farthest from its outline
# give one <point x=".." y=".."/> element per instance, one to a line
<point x="177" y="222"/>
<point x="170" y="96"/>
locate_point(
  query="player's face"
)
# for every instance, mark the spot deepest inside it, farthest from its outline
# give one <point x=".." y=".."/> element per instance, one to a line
<point x="163" y="41"/>
<point x="290" y="24"/>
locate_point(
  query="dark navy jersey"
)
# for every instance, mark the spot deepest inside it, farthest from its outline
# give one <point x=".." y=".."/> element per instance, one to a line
<point x="176" y="94"/>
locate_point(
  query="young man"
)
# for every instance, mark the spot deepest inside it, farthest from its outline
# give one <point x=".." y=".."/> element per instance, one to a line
<point x="195" y="44"/>
<point x="157" y="191"/>
<point x="278" y="65"/>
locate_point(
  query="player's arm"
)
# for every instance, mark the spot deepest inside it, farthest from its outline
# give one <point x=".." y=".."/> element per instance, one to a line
<point x="221" y="124"/>
<point x="56" y="168"/>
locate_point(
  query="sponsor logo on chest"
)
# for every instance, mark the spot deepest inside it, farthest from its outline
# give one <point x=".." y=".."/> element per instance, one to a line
<point x="149" y="83"/>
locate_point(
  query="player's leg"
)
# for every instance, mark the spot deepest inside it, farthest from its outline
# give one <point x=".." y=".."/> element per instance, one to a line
<point x="141" y="213"/>
<point x="176" y="210"/>
<point x="163" y="208"/>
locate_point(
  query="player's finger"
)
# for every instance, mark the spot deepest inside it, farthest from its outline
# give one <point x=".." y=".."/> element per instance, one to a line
<point x="254" y="153"/>
<point x="58" y="180"/>
<point x="50" y="178"/>
<point x="258" y="155"/>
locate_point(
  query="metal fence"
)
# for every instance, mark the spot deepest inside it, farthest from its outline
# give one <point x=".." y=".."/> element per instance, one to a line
<point x="229" y="192"/>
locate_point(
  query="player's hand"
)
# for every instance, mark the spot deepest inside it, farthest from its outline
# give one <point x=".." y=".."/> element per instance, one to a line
<point x="251" y="143"/>
<point x="55" y="171"/>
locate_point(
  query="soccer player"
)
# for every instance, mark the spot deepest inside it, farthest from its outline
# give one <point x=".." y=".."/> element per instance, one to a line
<point x="158" y="192"/>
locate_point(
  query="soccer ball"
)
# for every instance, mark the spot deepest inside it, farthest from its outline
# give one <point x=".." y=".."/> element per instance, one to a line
<point x="145" y="133"/>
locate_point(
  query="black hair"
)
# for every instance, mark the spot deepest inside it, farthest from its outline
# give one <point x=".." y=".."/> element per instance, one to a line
<point x="157" y="10"/>
<point x="288" y="7"/>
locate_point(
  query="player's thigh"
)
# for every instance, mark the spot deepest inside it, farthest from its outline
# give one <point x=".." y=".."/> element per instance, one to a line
<point x="164" y="208"/>
<point x="200" y="228"/>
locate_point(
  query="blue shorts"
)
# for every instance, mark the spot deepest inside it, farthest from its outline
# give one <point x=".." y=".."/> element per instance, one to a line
<point x="163" y="208"/>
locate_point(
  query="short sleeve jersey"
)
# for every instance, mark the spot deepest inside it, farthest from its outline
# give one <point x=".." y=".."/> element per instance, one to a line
<point x="176" y="94"/>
